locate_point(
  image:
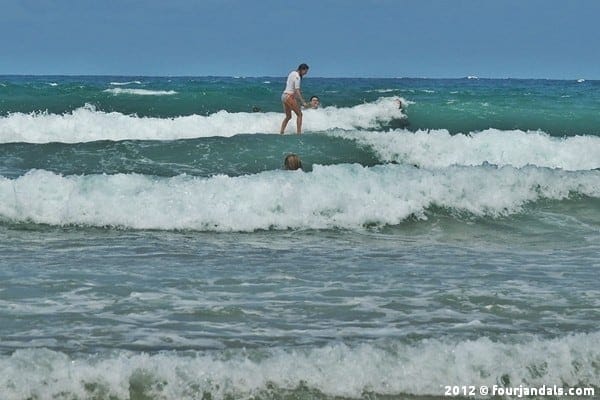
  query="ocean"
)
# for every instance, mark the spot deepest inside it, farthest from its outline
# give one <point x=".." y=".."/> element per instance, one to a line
<point x="153" y="247"/>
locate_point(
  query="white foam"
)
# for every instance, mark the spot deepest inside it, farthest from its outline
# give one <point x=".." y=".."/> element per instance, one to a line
<point x="87" y="124"/>
<point x="580" y="80"/>
<point x="126" y="83"/>
<point x="438" y="148"/>
<point x="388" y="368"/>
<point x="339" y="196"/>
<point x="381" y="90"/>
<point x="141" y="92"/>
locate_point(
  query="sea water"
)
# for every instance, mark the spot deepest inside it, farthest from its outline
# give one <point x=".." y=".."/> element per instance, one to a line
<point x="152" y="246"/>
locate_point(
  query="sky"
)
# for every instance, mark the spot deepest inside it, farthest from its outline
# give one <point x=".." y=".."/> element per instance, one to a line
<point x="351" y="38"/>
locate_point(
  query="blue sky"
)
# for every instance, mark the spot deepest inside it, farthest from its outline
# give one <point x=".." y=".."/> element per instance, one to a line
<point x="352" y="38"/>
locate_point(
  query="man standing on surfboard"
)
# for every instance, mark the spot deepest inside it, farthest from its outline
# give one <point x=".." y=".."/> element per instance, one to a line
<point x="290" y="97"/>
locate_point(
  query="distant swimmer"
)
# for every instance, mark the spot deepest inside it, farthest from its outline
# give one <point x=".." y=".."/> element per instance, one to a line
<point x="399" y="123"/>
<point x="290" y="97"/>
<point x="292" y="162"/>
<point x="314" y="102"/>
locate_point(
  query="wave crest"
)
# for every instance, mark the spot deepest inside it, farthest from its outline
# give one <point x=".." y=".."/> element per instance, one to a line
<point x="389" y="368"/>
<point x="87" y="124"/>
<point x="340" y="196"/>
<point x="141" y="92"/>
<point x="440" y="149"/>
<point x="126" y="83"/>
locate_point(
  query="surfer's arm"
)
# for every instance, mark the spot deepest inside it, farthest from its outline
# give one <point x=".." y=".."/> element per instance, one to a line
<point x="299" y="96"/>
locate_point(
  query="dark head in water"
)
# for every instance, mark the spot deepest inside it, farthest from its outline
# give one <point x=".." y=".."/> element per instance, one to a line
<point x="292" y="162"/>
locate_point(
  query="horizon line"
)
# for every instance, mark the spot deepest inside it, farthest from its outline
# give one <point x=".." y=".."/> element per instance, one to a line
<point x="467" y="77"/>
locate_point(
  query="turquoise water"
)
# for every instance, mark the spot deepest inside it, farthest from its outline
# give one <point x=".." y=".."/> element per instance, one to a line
<point x="152" y="247"/>
<point x="558" y="108"/>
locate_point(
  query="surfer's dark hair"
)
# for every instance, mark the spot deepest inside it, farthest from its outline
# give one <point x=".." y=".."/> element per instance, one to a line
<point x="303" y="66"/>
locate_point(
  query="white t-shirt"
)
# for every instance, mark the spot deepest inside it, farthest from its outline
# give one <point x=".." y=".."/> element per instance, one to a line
<point x="293" y="82"/>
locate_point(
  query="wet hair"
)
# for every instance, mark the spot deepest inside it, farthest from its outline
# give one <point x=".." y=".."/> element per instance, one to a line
<point x="302" y="67"/>
<point x="314" y="97"/>
<point x="292" y="162"/>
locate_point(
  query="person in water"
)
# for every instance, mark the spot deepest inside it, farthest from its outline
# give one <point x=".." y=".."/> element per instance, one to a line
<point x="313" y="103"/>
<point x="292" y="162"/>
<point x="290" y="97"/>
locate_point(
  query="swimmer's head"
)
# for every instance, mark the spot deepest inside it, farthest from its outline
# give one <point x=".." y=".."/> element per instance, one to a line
<point x="292" y="162"/>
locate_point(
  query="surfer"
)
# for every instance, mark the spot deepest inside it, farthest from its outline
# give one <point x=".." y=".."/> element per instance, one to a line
<point x="292" y="162"/>
<point x="290" y="97"/>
